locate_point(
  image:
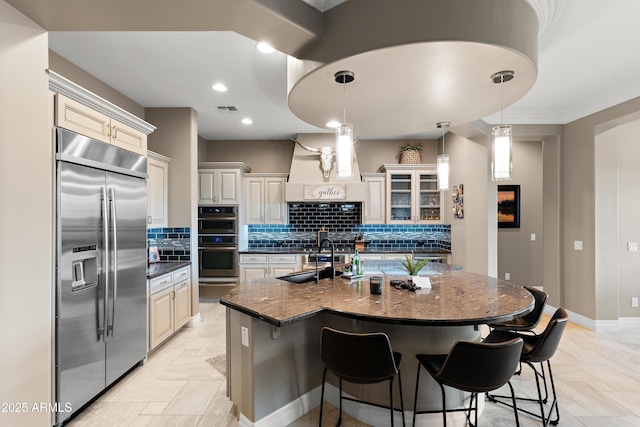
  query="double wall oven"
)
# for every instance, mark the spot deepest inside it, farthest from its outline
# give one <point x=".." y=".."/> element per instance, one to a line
<point x="218" y="243"/>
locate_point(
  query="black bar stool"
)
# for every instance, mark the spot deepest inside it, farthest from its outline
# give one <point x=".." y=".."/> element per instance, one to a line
<point x="471" y="367"/>
<point x="529" y="321"/>
<point x="537" y="349"/>
<point x="361" y="359"/>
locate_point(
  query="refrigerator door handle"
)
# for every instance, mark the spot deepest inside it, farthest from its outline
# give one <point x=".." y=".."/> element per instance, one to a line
<point x="114" y="264"/>
<point x="105" y="265"/>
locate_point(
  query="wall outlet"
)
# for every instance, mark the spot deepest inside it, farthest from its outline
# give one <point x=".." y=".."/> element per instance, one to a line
<point x="507" y="276"/>
<point x="577" y="245"/>
<point x="634" y="301"/>
<point x="632" y="247"/>
<point x="244" y="332"/>
<point x="533" y="237"/>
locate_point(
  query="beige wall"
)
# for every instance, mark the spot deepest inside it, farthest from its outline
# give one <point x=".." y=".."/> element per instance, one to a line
<point x="275" y="155"/>
<point x="581" y="295"/>
<point x="471" y="236"/>
<point x="617" y="195"/>
<point x="176" y="137"/>
<point x="517" y="254"/>
<point x="26" y="219"/>
<point x="80" y="77"/>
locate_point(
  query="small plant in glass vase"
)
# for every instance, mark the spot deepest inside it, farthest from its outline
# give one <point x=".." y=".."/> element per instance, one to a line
<point x="412" y="266"/>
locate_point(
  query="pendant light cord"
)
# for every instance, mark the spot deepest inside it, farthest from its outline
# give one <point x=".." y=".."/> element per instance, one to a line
<point x="502" y="100"/>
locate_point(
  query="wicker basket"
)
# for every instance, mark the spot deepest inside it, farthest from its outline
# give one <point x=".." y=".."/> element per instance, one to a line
<point x="410" y="157"/>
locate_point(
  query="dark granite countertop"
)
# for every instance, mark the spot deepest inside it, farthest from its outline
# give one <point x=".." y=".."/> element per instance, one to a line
<point x="290" y="250"/>
<point x="159" y="268"/>
<point x="455" y="298"/>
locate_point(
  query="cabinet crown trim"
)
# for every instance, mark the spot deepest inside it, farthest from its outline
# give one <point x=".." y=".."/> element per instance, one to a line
<point x="224" y="165"/>
<point x="413" y="167"/>
<point x="66" y="87"/>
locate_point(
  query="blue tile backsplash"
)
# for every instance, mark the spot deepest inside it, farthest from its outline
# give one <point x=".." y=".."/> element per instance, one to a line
<point x="342" y="221"/>
<point x="173" y="244"/>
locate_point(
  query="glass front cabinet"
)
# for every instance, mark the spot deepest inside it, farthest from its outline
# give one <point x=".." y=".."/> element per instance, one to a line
<point x="413" y="196"/>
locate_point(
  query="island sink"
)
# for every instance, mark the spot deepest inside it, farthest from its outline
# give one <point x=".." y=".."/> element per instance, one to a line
<point x="308" y="276"/>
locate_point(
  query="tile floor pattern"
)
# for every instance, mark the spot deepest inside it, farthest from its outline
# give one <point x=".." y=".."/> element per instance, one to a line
<point x="597" y="376"/>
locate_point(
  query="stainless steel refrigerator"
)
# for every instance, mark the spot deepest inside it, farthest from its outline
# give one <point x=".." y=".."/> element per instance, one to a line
<point x="101" y="297"/>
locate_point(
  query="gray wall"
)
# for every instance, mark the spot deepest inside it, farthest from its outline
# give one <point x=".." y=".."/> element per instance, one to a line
<point x="26" y="219"/>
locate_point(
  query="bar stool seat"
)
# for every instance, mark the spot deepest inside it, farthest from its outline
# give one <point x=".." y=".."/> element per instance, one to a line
<point x="471" y="367"/>
<point x="362" y="359"/>
<point x="537" y="349"/>
<point x="530" y="320"/>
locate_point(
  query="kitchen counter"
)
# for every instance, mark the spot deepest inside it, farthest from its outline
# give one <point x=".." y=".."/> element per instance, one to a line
<point x="455" y="298"/>
<point x="273" y="335"/>
<point x="159" y="268"/>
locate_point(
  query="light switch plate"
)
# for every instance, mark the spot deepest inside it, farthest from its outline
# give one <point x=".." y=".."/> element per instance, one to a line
<point x="577" y="245"/>
<point x="245" y="336"/>
<point x="533" y="237"/>
<point x="632" y="247"/>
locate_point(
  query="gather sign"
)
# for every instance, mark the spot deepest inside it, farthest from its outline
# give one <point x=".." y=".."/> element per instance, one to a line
<point x="325" y="192"/>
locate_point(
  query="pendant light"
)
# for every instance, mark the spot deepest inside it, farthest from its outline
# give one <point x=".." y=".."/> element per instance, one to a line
<point x="344" y="132"/>
<point x="443" y="161"/>
<point x="501" y="137"/>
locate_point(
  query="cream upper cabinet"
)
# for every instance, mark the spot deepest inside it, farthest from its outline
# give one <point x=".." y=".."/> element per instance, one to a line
<point x="81" y="119"/>
<point x="157" y="190"/>
<point x="264" y="199"/>
<point x="374" y="206"/>
<point x="413" y="196"/>
<point x="220" y="185"/>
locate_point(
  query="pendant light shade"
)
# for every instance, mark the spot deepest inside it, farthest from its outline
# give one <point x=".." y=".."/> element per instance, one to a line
<point x="501" y="165"/>
<point x="344" y="133"/>
<point x="442" y="161"/>
<point x="344" y="150"/>
<point x="501" y="137"/>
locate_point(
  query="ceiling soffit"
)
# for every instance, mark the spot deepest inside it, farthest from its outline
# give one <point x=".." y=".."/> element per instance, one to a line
<point x="416" y="63"/>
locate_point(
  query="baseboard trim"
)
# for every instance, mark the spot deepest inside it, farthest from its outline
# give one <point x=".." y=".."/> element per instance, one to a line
<point x="598" y="325"/>
<point x="194" y="321"/>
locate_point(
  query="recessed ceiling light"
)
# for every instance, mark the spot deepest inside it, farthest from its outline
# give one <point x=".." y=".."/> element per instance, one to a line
<point x="333" y="124"/>
<point x="247" y="121"/>
<point x="219" y="87"/>
<point x="265" y="47"/>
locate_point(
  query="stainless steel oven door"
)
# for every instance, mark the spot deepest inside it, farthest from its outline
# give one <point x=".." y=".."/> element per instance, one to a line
<point x="218" y="261"/>
<point x="217" y="226"/>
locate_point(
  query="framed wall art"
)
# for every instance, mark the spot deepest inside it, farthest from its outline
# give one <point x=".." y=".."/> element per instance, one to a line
<point x="508" y="206"/>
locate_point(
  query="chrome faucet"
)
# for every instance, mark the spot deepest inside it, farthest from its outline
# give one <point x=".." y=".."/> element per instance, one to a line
<point x="333" y="267"/>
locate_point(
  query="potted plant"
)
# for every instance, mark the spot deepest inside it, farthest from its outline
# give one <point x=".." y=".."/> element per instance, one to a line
<point x="412" y="266"/>
<point x="411" y="154"/>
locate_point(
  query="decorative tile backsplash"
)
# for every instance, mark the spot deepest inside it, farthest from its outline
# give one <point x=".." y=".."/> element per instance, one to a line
<point x="174" y="244"/>
<point x="342" y="221"/>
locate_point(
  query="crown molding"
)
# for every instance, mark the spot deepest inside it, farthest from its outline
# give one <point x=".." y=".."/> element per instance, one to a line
<point x="323" y="5"/>
<point x="66" y="87"/>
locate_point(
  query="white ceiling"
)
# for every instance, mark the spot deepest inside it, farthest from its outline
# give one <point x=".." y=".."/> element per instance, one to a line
<point x="588" y="61"/>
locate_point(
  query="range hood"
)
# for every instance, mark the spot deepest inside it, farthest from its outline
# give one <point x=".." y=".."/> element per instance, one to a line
<point x="307" y="182"/>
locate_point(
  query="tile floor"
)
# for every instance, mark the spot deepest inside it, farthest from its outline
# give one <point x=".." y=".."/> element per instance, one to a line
<point x="597" y="377"/>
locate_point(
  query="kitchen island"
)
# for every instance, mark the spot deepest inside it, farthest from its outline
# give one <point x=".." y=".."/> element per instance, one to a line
<point x="273" y="336"/>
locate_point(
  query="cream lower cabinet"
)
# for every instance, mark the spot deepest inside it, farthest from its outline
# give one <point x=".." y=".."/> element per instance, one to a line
<point x="169" y="305"/>
<point x="258" y="266"/>
<point x="81" y="119"/>
<point x="280" y="265"/>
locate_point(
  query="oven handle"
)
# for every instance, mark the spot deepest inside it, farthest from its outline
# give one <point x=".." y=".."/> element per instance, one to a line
<point x="223" y="217"/>
<point x="217" y="248"/>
